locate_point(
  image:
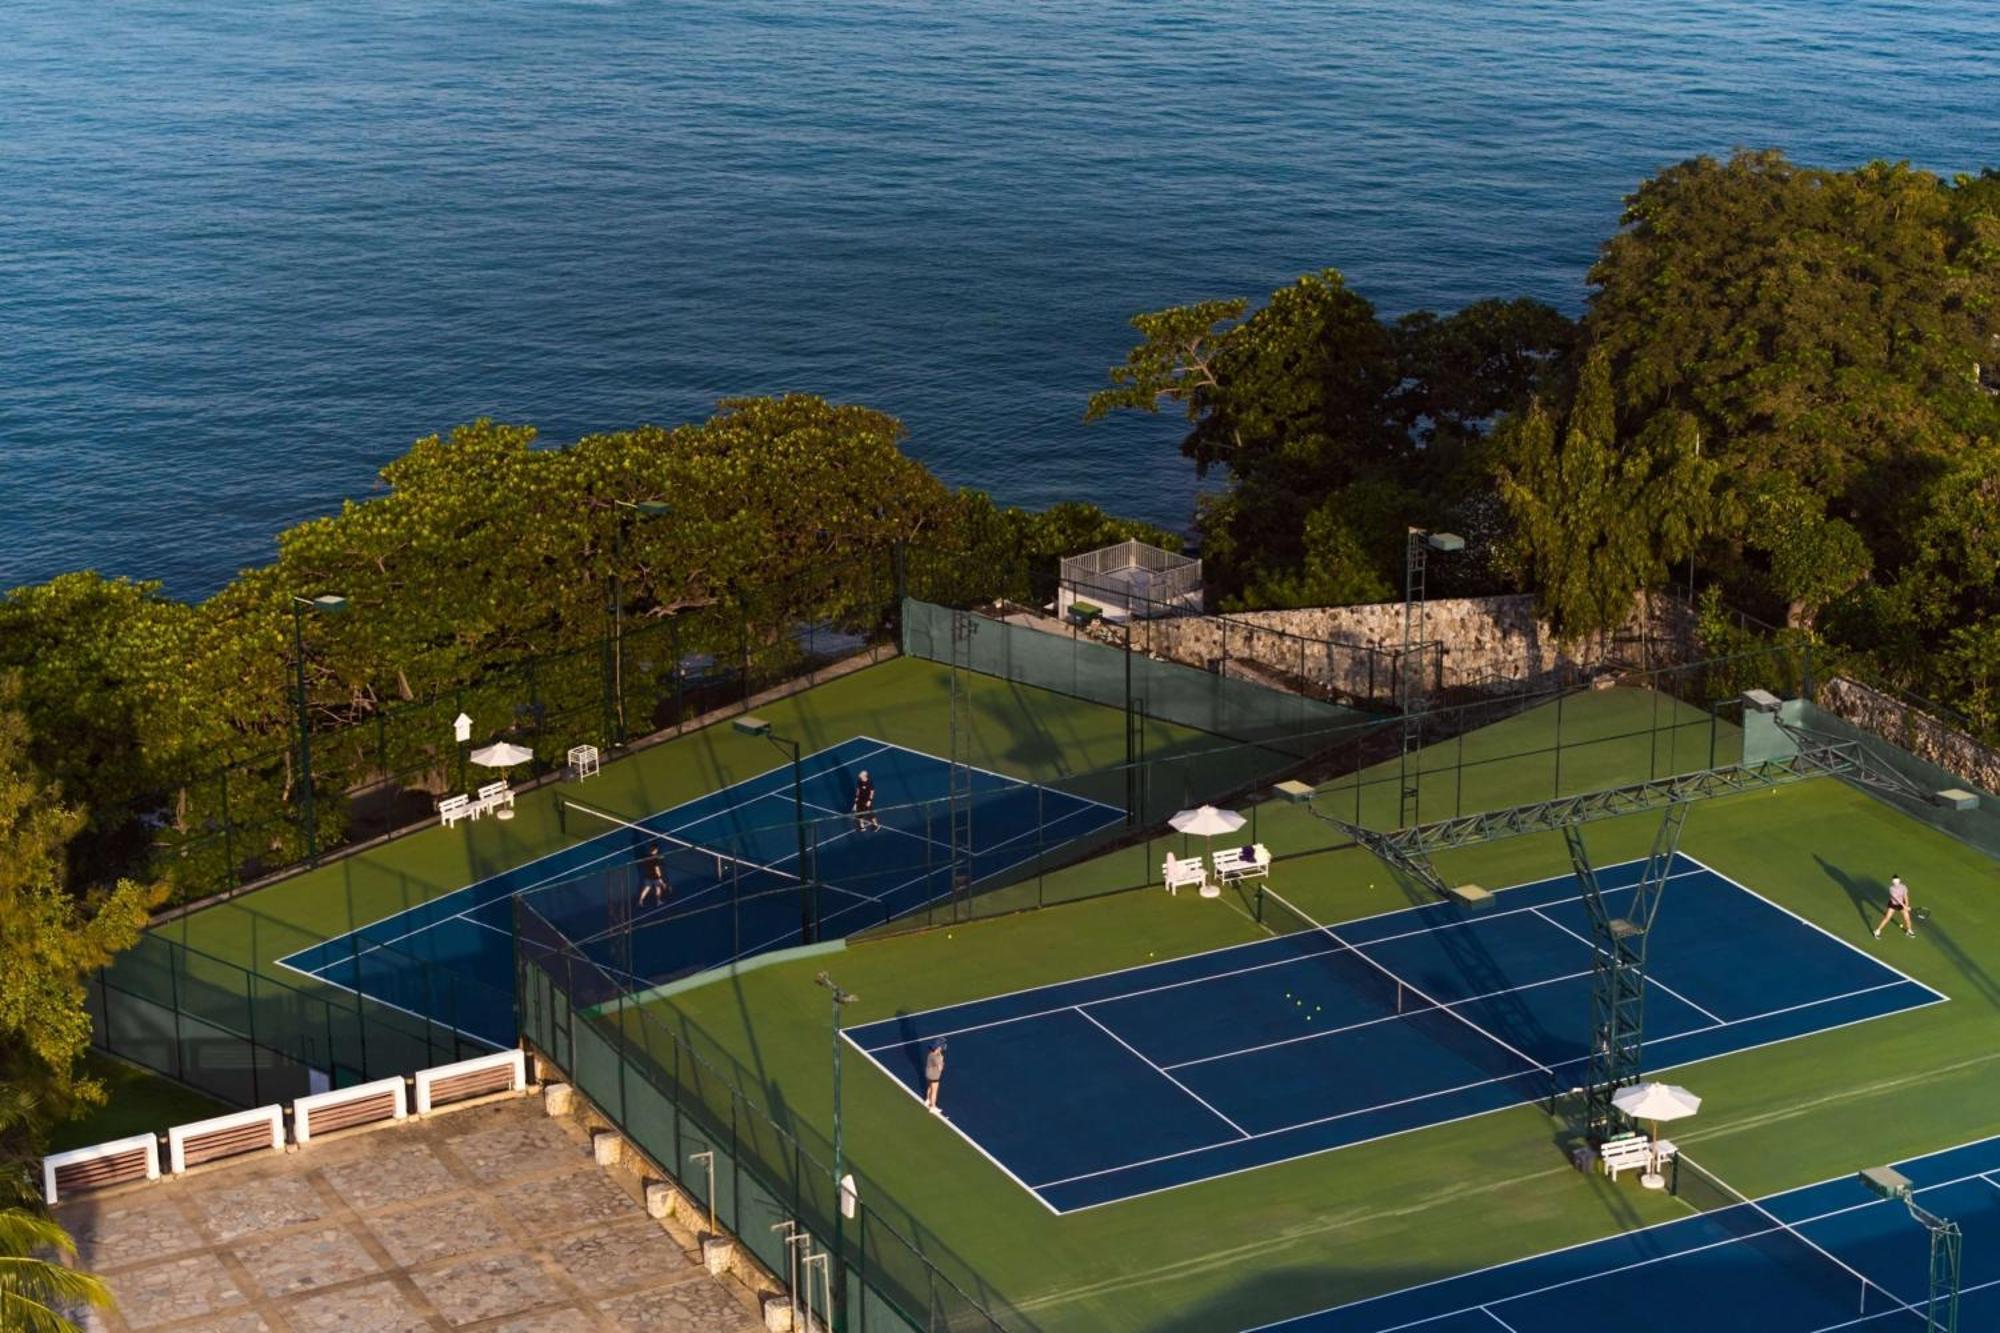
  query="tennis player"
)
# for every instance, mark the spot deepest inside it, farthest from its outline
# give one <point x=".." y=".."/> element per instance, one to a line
<point x="653" y="881"/>
<point x="864" y="804"/>
<point x="1899" y="902"/>
<point x="933" y="1074"/>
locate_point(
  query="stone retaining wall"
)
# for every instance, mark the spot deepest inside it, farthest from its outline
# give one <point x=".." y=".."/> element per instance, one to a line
<point x="1477" y="641"/>
<point x="1909" y="728"/>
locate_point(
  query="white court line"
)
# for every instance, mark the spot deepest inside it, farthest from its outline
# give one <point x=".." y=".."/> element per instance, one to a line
<point x="1370" y="1022"/>
<point x="1655" y="1259"/>
<point x="1004" y="777"/>
<point x="947" y="891"/>
<point x="1651" y="979"/>
<point x="1266" y="944"/>
<point x="1446" y="1092"/>
<point x="571" y="873"/>
<point x="1846" y="944"/>
<point x="1498" y="1320"/>
<point x="912" y="1094"/>
<point x="1088" y="1018"/>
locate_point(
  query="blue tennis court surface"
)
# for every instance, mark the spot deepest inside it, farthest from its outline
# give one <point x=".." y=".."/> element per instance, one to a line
<point x="1113" y="1086"/>
<point x="452" y="958"/>
<point x="1848" y="1261"/>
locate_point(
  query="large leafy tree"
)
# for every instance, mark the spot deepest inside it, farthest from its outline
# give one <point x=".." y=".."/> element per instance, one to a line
<point x="479" y="580"/>
<point x="1336" y="429"/>
<point x="50" y="939"/>
<point x="1595" y="516"/>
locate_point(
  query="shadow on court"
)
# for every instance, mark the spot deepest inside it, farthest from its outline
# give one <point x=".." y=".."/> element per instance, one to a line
<point x="1869" y="896"/>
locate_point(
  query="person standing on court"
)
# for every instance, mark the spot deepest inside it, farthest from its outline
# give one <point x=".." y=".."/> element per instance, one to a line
<point x="653" y="884"/>
<point x="1899" y="902"/>
<point x="933" y="1074"/>
<point x="864" y="804"/>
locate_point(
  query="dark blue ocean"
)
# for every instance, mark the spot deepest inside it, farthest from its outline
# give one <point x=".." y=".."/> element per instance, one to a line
<point x="250" y="249"/>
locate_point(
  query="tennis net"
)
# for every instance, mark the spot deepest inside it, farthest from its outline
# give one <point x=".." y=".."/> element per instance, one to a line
<point x="1753" y="1223"/>
<point x="698" y="875"/>
<point x="1283" y="917"/>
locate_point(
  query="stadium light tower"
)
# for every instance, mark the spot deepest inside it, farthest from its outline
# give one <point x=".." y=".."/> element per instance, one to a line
<point x="1947" y="1244"/>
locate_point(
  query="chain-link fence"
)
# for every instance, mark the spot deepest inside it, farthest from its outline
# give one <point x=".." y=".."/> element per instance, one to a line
<point x="686" y="1104"/>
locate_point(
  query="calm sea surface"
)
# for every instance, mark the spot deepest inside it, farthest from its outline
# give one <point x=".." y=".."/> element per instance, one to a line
<point x="249" y="250"/>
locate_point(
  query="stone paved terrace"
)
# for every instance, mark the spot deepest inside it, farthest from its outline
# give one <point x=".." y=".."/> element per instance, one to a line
<point x="494" y="1217"/>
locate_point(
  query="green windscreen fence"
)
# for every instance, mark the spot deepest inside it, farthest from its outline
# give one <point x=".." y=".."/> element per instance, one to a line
<point x="1977" y="825"/>
<point x="1078" y="666"/>
<point x="737" y="1150"/>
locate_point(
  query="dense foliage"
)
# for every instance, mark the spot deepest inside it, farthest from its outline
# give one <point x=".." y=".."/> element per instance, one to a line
<point x="479" y="582"/>
<point x="50" y="940"/>
<point x="1785" y="379"/>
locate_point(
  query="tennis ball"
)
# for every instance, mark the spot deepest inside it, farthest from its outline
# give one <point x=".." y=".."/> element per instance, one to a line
<point x="947" y="934"/>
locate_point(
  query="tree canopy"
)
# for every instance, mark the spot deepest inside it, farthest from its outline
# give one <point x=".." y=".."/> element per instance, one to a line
<point x="479" y="581"/>
<point x="1785" y="378"/>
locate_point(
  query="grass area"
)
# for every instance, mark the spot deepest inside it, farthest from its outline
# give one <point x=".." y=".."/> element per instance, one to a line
<point x="1278" y="1240"/>
<point x="1297" y="1236"/>
<point x="1018" y="730"/>
<point x="137" y="1101"/>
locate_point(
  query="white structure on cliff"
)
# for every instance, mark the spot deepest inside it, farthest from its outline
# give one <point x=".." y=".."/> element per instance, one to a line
<point x="1130" y="581"/>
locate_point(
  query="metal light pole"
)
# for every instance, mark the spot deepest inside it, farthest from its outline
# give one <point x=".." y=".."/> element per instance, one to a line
<point x="808" y="901"/>
<point x="837" y="1296"/>
<point x="1415" y="560"/>
<point x="325" y="604"/>
<point x="614" y="615"/>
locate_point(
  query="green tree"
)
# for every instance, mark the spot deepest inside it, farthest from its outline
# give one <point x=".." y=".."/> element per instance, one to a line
<point x="37" y="1293"/>
<point x="1596" y="517"/>
<point x="1337" y="431"/>
<point x="50" y="940"/>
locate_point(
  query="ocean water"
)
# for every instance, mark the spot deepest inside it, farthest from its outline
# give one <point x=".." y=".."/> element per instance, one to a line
<point x="250" y="249"/>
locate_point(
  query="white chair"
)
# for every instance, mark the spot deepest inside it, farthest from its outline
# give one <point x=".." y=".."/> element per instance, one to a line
<point x="454" y="808"/>
<point x="1231" y="863"/>
<point x="496" y="796"/>
<point x="583" y="761"/>
<point x="1180" y="874"/>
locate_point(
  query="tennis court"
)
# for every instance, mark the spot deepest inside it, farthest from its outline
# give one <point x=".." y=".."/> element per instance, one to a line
<point x="1124" y="1084"/>
<point x="732" y="857"/>
<point x="1810" y="1260"/>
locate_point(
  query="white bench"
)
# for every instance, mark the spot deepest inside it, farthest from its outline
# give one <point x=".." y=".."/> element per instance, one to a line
<point x="494" y="796"/>
<point x="451" y="809"/>
<point x="1628" y="1151"/>
<point x="1232" y="865"/>
<point x="1180" y="874"/>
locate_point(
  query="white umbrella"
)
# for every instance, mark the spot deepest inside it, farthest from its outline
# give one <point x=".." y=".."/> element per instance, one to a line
<point x="501" y="754"/>
<point x="1655" y="1102"/>
<point x="1206" y="821"/>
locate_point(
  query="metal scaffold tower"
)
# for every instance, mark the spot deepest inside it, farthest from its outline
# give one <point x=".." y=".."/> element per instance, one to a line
<point x="1618" y="969"/>
<point x="958" y="800"/>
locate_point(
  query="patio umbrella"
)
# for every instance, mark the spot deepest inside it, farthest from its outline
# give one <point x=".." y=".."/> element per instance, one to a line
<point x="1655" y="1102"/>
<point x="1206" y="821"/>
<point x="501" y="754"/>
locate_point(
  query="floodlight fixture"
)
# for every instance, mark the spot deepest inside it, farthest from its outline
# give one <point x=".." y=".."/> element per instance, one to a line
<point x="752" y="726"/>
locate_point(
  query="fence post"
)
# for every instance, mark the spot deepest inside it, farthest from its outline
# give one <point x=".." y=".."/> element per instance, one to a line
<point x="250" y="1022"/>
<point x="174" y="995"/>
<point x="228" y="836"/>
